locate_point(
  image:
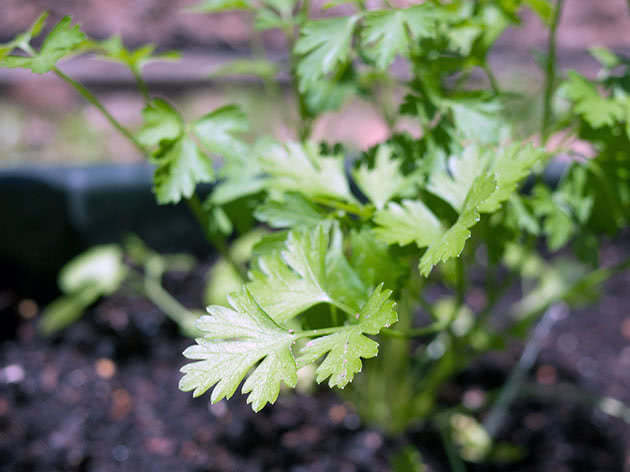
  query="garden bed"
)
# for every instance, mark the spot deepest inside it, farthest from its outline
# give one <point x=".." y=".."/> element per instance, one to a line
<point x="103" y="396"/>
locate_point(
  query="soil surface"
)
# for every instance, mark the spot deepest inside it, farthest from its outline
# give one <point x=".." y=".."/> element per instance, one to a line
<point x="103" y="396"/>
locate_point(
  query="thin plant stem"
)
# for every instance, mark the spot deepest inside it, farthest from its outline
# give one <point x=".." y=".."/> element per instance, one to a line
<point x="149" y="285"/>
<point x="413" y="333"/>
<point x="317" y="332"/>
<point x="565" y="392"/>
<point x="142" y="85"/>
<point x="355" y="209"/>
<point x="510" y="390"/>
<point x="461" y="282"/>
<point x="494" y="83"/>
<point x="89" y="96"/>
<point x="305" y="125"/>
<point x="456" y="463"/>
<point x="193" y="203"/>
<point x="550" y="72"/>
<point x="334" y="315"/>
<point x="154" y="291"/>
<point x="215" y="239"/>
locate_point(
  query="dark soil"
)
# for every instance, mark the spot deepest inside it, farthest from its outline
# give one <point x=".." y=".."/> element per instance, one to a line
<point x="103" y="397"/>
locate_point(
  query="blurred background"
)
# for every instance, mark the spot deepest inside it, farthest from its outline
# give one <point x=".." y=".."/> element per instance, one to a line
<point x="38" y="128"/>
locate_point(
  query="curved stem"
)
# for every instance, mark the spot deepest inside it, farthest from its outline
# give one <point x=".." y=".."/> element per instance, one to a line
<point x="494" y="83"/>
<point x="358" y="210"/>
<point x="142" y="85"/>
<point x="550" y="71"/>
<point x="216" y="240"/>
<point x="89" y="96"/>
<point x="317" y="332"/>
<point x="413" y="333"/>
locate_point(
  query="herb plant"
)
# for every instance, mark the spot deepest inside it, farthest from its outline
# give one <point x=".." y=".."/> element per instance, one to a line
<point x="373" y="256"/>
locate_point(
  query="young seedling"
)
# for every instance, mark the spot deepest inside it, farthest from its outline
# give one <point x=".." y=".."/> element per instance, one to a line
<point x="403" y="251"/>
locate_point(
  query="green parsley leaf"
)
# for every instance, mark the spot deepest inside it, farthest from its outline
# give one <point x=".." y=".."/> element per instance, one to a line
<point x="311" y="269"/>
<point x="161" y="122"/>
<point x="510" y="166"/>
<point x="218" y="132"/>
<point x="181" y="166"/>
<point x="215" y="6"/>
<point x="235" y="341"/>
<point x="374" y="261"/>
<point x="23" y="40"/>
<point x="479" y="119"/>
<point x="323" y="46"/>
<point x="453" y="184"/>
<point x="384" y="180"/>
<point x="543" y="8"/>
<point x="605" y="57"/>
<point x="414" y="222"/>
<point x="100" y="265"/>
<point x="273" y="14"/>
<point x="97" y="272"/>
<point x="301" y="168"/>
<point x="62" y="41"/>
<point x="389" y="33"/>
<point x="114" y="50"/>
<point x="452" y="242"/>
<point x="345" y="348"/>
<point x="292" y="211"/>
<point x="410" y="222"/>
<point x="596" y="110"/>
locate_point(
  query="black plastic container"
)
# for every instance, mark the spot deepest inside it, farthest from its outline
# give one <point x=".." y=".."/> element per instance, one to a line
<point x="49" y="214"/>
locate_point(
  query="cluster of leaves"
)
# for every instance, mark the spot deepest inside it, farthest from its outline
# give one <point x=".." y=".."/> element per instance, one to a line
<point x="102" y="270"/>
<point x="354" y="239"/>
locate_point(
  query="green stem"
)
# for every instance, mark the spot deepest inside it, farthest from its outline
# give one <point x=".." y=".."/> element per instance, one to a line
<point x="456" y="463"/>
<point x="149" y="285"/>
<point x="317" y="332"/>
<point x="193" y="202"/>
<point x="550" y="72"/>
<point x="215" y="239"/>
<point x="461" y="282"/>
<point x="85" y="93"/>
<point x="494" y="83"/>
<point x="334" y="315"/>
<point x="142" y="85"/>
<point x="413" y="333"/>
<point x="305" y="121"/>
<point x="167" y="303"/>
<point x="495" y="418"/>
<point x="355" y="209"/>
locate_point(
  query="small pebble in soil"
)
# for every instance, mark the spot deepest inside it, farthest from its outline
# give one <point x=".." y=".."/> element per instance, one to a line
<point x="13" y="373"/>
<point x="337" y="413"/>
<point x="474" y="398"/>
<point x="4" y="406"/>
<point x="120" y="453"/>
<point x="105" y="368"/>
<point x="372" y="440"/>
<point x="535" y="421"/>
<point x="218" y="409"/>
<point x="546" y="375"/>
<point x="27" y="308"/>
<point x="160" y="446"/>
<point x="625" y="328"/>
